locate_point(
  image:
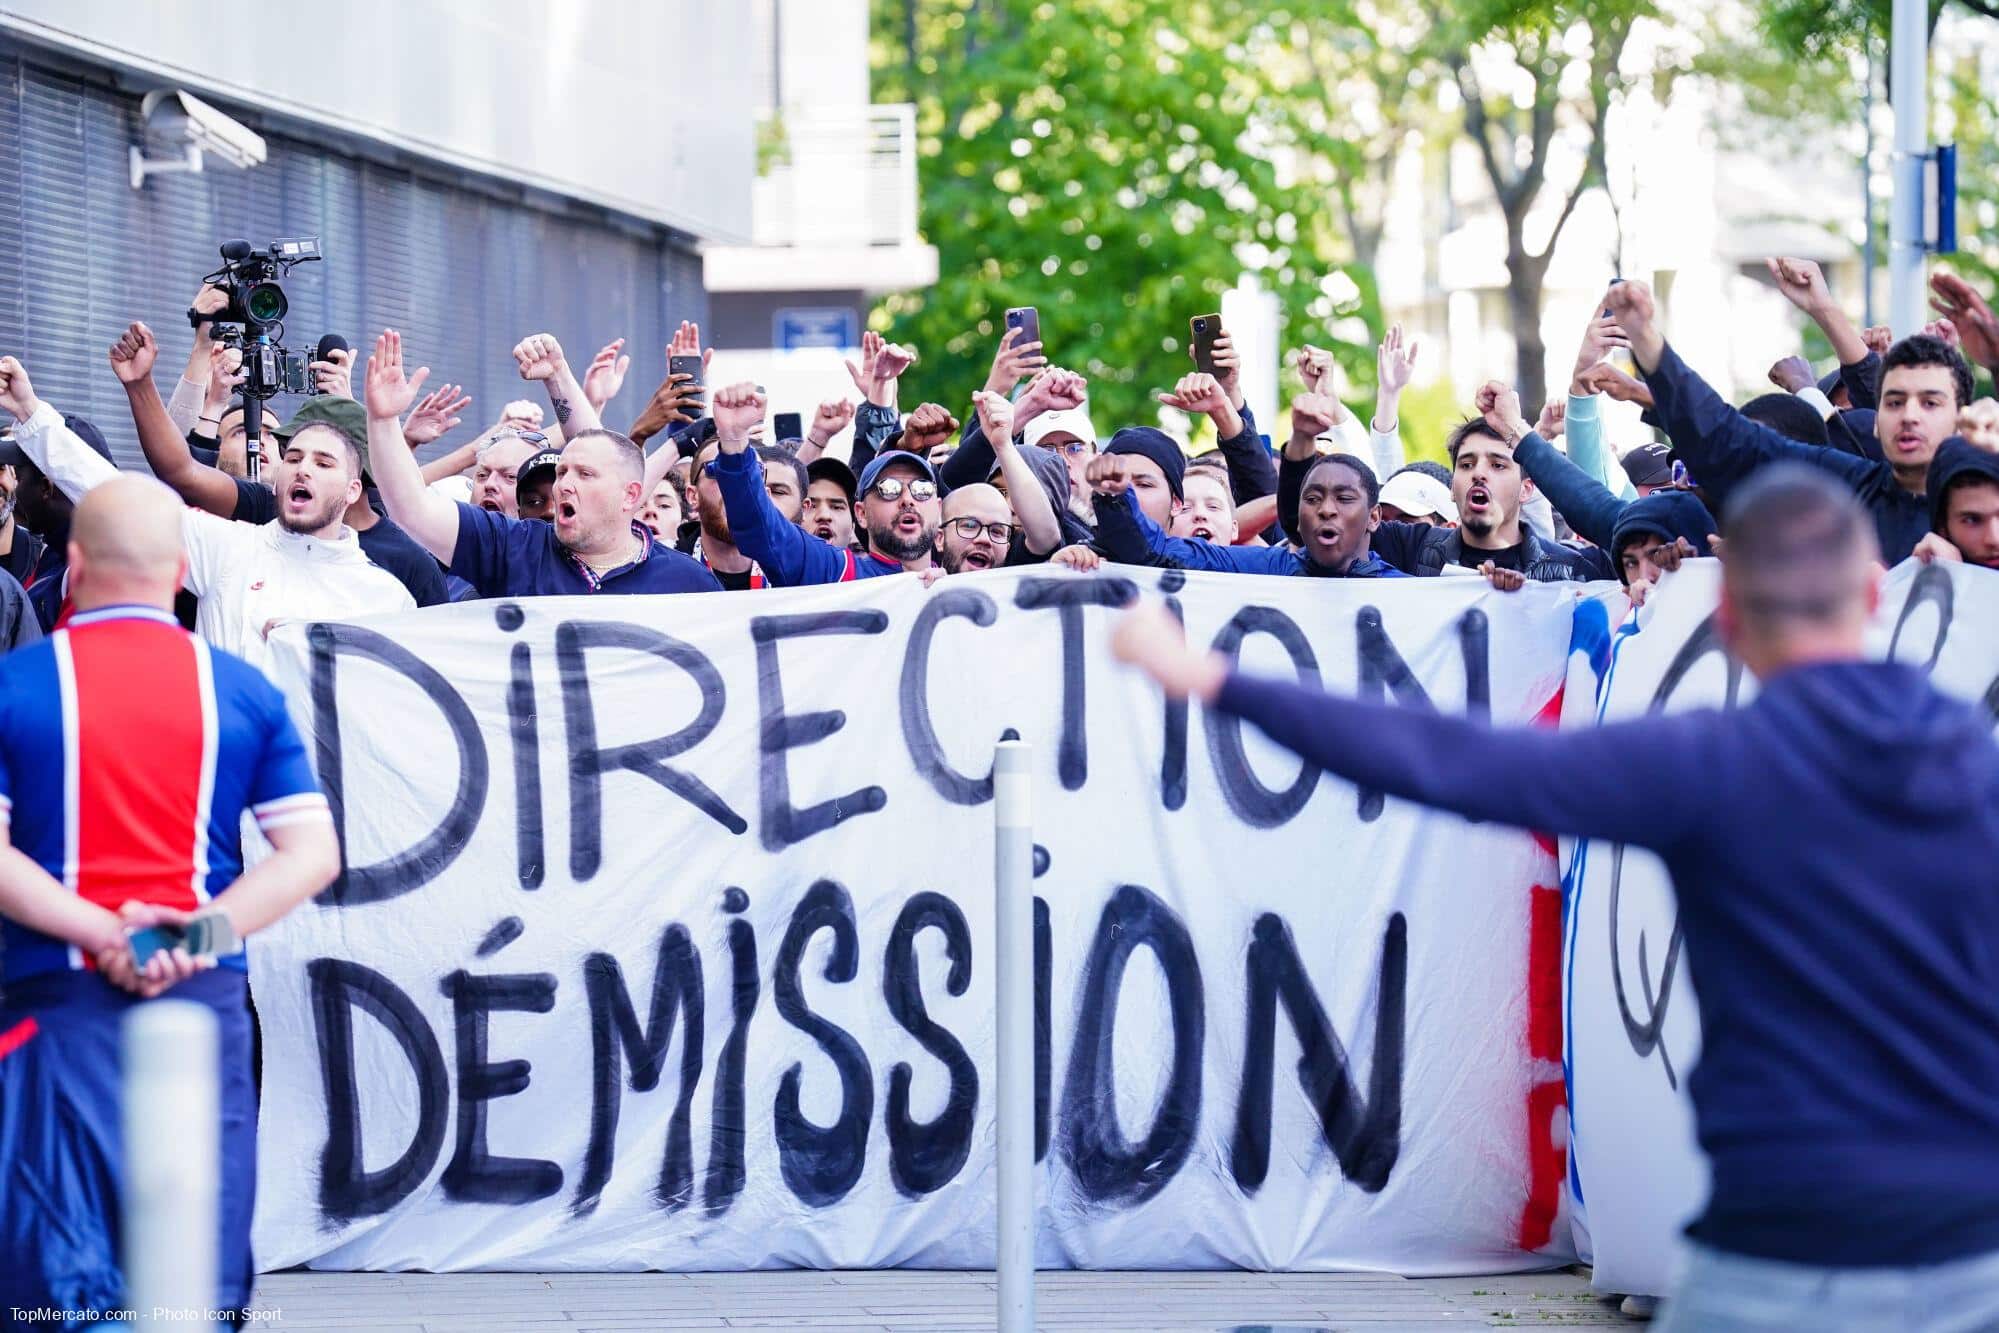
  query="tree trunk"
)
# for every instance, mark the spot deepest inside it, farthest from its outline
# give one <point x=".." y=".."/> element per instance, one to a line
<point x="1524" y="280"/>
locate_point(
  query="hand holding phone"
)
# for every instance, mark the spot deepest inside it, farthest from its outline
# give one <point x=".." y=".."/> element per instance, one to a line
<point x="1207" y="329"/>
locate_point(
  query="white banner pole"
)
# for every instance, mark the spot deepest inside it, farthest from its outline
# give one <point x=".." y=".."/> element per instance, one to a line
<point x="1013" y="910"/>
<point x="172" y="1163"/>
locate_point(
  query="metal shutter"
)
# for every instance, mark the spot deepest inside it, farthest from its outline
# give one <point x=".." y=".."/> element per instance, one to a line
<point x="461" y="271"/>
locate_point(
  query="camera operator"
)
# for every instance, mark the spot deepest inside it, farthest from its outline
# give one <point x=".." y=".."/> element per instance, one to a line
<point x="256" y="502"/>
<point x="306" y="564"/>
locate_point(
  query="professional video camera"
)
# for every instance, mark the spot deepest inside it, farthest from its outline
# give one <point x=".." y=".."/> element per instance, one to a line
<point x="253" y="322"/>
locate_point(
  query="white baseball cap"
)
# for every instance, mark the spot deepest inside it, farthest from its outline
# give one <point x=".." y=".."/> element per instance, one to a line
<point x="1069" y="421"/>
<point x="1415" y="493"/>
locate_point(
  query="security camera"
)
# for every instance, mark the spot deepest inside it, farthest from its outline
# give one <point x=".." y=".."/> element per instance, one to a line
<point x="182" y="123"/>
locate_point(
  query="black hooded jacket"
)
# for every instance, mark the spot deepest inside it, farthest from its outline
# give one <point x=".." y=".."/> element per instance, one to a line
<point x="1663" y="513"/>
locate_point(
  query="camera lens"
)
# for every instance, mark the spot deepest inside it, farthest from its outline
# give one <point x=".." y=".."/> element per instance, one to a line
<point x="264" y="303"/>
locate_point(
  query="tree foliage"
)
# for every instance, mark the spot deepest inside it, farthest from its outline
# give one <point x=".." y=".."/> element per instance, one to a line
<point x="1096" y="159"/>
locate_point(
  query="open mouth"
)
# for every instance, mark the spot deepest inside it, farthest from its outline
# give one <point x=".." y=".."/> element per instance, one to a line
<point x="491" y="505"/>
<point x="1203" y="531"/>
<point x="298" y="494"/>
<point x="1908" y="442"/>
<point x="1478" y="498"/>
<point x="565" y="512"/>
<point x="911" y="523"/>
<point x="823" y="530"/>
<point x="978" y="558"/>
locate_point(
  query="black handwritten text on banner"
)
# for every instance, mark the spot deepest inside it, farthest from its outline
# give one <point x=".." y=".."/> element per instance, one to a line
<point x="666" y="938"/>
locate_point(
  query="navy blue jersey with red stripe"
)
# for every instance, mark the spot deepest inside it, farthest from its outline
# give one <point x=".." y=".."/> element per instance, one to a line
<point x="129" y="751"/>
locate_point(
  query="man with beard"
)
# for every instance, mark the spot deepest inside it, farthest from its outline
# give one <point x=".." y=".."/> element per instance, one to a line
<point x="256" y="502"/>
<point x="1486" y="487"/>
<point x="717" y="547"/>
<point x="1336" y="517"/>
<point x="829" y="501"/>
<point x="305" y="564"/>
<point x="596" y="543"/>
<point x="899" y="507"/>
<point x="1924" y="382"/>
<point x="978" y="529"/>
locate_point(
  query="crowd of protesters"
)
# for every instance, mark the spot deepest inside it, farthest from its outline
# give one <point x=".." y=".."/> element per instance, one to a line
<point x="696" y="495"/>
<point x="336" y="518"/>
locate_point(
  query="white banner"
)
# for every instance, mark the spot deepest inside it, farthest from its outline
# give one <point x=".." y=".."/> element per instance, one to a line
<point x="666" y="939"/>
<point x="1634" y="1024"/>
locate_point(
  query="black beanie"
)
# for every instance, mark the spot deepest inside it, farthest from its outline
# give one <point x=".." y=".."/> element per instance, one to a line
<point x="1788" y="415"/>
<point x="1156" y="445"/>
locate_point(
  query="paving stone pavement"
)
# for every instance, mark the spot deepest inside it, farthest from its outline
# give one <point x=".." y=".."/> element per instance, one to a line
<point x="853" y="1302"/>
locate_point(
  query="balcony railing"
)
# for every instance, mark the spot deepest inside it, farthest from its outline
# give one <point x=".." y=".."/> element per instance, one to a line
<point x="832" y="177"/>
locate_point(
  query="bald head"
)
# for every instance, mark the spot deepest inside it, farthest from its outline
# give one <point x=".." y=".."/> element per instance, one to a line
<point x="1802" y="574"/>
<point x="125" y="545"/>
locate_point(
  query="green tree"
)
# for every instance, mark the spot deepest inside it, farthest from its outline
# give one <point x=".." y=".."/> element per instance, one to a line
<point x="1527" y="71"/>
<point x="1097" y="159"/>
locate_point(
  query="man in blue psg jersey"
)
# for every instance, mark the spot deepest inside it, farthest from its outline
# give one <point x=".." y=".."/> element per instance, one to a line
<point x="129" y="752"/>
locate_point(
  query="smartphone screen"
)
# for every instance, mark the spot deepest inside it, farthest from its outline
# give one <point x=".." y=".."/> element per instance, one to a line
<point x="789" y="426"/>
<point x="1027" y="319"/>
<point x="149" y="940"/>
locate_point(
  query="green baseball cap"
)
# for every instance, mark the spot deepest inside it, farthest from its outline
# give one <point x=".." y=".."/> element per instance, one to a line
<point x="342" y="414"/>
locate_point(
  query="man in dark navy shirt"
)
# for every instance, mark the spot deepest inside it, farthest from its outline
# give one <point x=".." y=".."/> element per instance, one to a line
<point x="595" y="544"/>
<point x="1832" y="848"/>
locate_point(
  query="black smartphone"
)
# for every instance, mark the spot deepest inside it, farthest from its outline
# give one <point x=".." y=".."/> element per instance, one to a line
<point x="789" y="426"/>
<point x="691" y="367"/>
<point x="1027" y="319"/>
<point x="1206" y="328"/>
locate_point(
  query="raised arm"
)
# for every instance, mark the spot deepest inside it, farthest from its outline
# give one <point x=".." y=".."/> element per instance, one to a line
<point x="1395" y="365"/>
<point x="1443" y="761"/>
<point x="434" y="414"/>
<point x="190" y="394"/>
<point x="788" y="555"/>
<point x="1127" y="536"/>
<point x="828" y="419"/>
<point x="1252" y="474"/>
<point x="1803" y="285"/>
<point x="421" y="512"/>
<point x="1039" y="526"/>
<point x="539" y="357"/>
<point x="1312" y="413"/>
<point x="52" y="446"/>
<point x="166" y="450"/>
<point x="1720" y="445"/>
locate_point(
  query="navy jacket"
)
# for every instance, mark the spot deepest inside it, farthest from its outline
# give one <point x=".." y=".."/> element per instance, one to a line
<point x="1722" y="448"/>
<point x="1956" y="458"/>
<point x="1664" y="513"/>
<point x="788" y="555"/>
<point x="1832" y="845"/>
<point x="1127" y="536"/>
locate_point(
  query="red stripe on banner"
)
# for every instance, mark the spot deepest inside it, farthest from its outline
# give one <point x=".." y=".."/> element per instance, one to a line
<point x="1549" y="716"/>
<point x="1547" y="1160"/>
<point x="1544" y="973"/>
<point x="139" y="754"/>
<point x="14" y="1038"/>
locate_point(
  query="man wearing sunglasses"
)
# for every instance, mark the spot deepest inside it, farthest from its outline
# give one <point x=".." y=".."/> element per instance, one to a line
<point x="899" y="507"/>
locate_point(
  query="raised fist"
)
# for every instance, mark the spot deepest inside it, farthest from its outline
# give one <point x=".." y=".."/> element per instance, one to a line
<point x="539" y="356"/>
<point x="931" y="424"/>
<point x="1500" y="406"/>
<point x="1108" y="474"/>
<point x="133" y="354"/>
<point x="737" y="409"/>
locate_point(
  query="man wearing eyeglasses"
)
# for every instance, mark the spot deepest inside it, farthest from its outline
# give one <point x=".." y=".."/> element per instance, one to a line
<point x="978" y="529"/>
<point x="899" y="508"/>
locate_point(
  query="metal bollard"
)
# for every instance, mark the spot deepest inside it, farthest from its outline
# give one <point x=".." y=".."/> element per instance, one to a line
<point x="1013" y="912"/>
<point x="172" y="1129"/>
